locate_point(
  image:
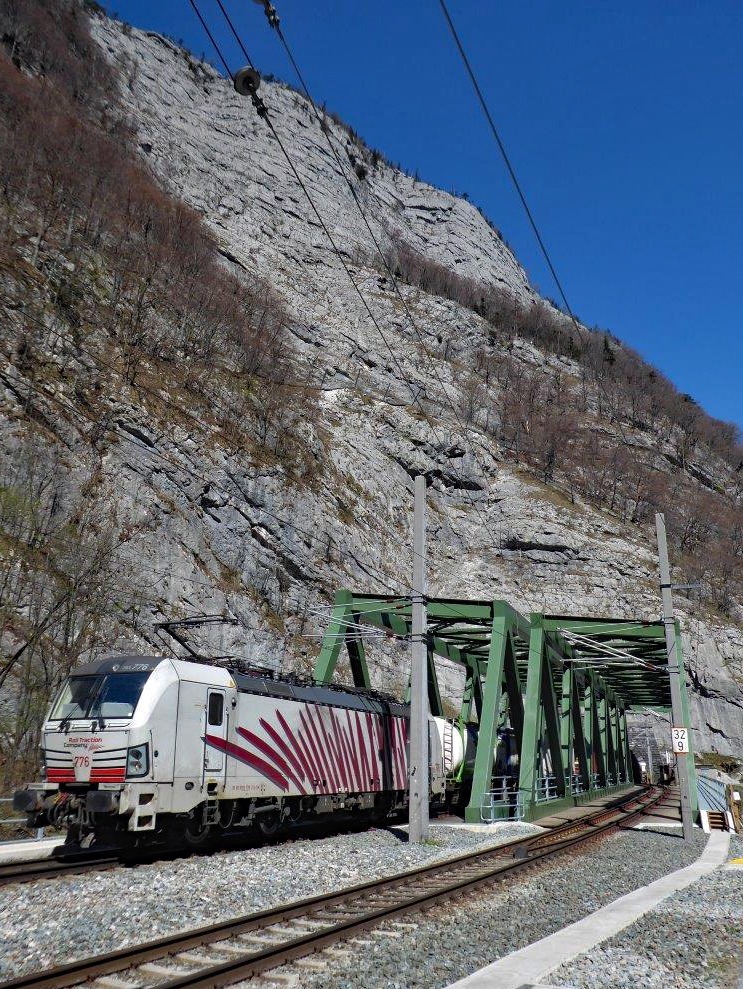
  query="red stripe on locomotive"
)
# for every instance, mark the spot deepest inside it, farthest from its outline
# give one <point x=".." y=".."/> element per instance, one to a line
<point x="278" y="761"/>
<point x="238" y="752"/>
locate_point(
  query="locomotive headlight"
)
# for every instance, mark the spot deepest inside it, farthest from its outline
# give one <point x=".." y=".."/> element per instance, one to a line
<point x="138" y="760"/>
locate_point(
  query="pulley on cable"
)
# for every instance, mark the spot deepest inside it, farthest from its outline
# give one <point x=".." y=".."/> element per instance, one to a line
<point x="246" y="82"/>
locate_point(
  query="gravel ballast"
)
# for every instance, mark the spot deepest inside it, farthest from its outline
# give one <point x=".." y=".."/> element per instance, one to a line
<point x="692" y="940"/>
<point x="58" y="920"/>
<point x="456" y="939"/>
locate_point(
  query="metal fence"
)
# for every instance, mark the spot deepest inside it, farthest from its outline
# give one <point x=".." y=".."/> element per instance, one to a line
<point x="574" y="783"/>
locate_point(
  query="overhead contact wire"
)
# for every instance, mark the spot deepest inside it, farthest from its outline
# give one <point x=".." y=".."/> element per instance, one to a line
<point x="211" y="38"/>
<point x="329" y="236"/>
<point x="321" y="221"/>
<point x="331" y="240"/>
<point x="507" y="160"/>
<point x="411" y="319"/>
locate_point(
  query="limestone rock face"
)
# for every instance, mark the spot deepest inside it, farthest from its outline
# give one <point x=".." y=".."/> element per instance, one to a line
<point x="211" y="148"/>
<point x="216" y="533"/>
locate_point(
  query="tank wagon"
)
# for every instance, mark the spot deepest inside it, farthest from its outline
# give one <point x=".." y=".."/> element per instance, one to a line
<point x="142" y="750"/>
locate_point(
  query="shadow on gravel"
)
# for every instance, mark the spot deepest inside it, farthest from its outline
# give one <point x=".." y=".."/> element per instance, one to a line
<point x="396" y="831"/>
<point x="675" y="834"/>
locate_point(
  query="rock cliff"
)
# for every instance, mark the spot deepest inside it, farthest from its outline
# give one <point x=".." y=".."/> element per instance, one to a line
<point x="216" y="531"/>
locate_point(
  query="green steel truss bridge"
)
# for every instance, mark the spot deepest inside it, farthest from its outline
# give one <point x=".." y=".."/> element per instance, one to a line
<point x="562" y="684"/>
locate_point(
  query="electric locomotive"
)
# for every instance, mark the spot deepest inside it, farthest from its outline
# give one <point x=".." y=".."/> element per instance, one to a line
<point x="141" y="749"/>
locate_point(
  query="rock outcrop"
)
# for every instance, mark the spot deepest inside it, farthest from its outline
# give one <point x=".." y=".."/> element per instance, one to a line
<point x="217" y="532"/>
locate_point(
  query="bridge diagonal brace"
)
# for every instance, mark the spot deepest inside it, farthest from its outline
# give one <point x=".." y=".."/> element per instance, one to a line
<point x="490" y="710"/>
<point x="341" y="632"/>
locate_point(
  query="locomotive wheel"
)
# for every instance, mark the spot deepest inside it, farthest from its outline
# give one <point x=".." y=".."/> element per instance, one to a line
<point x="268" y="824"/>
<point x="195" y="832"/>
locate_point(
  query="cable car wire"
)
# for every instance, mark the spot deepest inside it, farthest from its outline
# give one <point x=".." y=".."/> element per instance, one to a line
<point x="209" y="34"/>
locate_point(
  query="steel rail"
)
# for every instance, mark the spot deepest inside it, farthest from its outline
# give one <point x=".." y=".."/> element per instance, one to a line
<point x="14" y="873"/>
<point x="111" y="857"/>
<point x="335" y="916"/>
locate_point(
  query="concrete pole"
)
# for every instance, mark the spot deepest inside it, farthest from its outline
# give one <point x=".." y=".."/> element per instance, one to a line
<point x="647" y="744"/>
<point x="669" y="623"/>
<point x="418" y="764"/>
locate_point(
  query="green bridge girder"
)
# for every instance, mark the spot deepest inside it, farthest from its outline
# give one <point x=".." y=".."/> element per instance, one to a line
<point x="563" y="684"/>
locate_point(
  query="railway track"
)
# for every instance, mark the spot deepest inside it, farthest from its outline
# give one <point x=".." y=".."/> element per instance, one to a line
<point x="225" y="953"/>
<point x="29" y="872"/>
<point x="111" y="858"/>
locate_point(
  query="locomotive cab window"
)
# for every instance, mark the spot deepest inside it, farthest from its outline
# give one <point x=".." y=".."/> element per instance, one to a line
<point x="215" y="714"/>
<point x="109" y="695"/>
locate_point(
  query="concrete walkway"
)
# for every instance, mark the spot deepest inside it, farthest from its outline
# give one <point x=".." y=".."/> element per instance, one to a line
<point x="528" y="965"/>
<point x="28" y="851"/>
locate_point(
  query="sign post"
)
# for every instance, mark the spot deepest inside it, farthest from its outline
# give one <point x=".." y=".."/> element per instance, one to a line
<point x="649" y="750"/>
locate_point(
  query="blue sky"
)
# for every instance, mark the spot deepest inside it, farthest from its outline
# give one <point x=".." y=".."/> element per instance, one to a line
<point x="624" y="122"/>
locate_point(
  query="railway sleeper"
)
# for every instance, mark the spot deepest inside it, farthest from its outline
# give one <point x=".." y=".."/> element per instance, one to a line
<point x="314" y="964"/>
<point x="309" y="925"/>
<point x="337" y="911"/>
<point x="159" y="971"/>
<point x="373" y="905"/>
<point x="234" y="950"/>
<point x="261" y="941"/>
<point x="112" y="982"/>
<point x="353" y="911"/>
<point x="330" y="920"/>
<point x="191" y="958"/>
<point x="283" y="931"/>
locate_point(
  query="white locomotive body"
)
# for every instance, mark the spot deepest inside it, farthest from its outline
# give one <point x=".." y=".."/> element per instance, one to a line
<point x="151" y="748"/>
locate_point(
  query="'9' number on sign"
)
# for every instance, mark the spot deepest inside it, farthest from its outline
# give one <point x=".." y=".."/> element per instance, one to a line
<point x="680" y="739"/>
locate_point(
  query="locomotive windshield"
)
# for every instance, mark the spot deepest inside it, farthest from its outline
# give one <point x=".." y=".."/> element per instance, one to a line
<point x="109" y="695"/>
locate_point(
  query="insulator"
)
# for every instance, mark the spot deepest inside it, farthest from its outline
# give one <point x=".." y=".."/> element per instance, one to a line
<point x="271" y="14"/>
<point x="246" y="81"/>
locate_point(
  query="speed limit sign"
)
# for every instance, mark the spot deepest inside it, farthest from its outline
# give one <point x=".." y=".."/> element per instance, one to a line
<point x="680" y="740"/>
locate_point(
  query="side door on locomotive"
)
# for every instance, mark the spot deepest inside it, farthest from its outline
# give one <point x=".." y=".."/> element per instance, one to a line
<point x="206" y="706"/>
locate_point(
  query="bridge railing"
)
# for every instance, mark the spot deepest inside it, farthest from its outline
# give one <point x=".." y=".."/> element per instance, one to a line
<point x="711" y="794"/>
<point x="503" y="802"/>
<point x="546" y="789"/>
